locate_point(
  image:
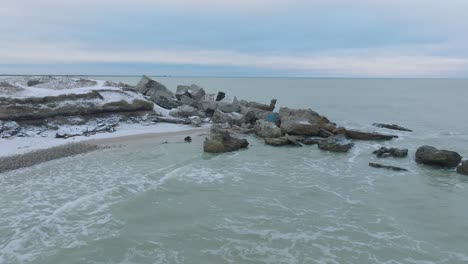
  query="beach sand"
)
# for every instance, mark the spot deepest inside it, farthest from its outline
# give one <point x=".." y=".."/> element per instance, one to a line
<point x="14" y="162"/>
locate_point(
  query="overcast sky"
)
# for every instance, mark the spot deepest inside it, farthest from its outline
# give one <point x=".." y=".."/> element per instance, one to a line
<point x="339" y="38"/>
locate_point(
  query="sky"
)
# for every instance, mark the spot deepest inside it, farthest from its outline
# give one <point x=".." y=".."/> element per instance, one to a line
<point x="272" y="38"/>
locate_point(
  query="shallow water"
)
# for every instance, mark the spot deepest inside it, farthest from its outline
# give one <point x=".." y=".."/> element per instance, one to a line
<point x="171" y="203"/>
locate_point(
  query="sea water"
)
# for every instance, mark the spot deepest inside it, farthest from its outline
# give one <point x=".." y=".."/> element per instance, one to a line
<point x="147" y="202"/>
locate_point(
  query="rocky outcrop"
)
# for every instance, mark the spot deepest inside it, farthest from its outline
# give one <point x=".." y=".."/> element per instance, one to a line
<point x="380" y="166"/>
<point x="157" y="92"/>
<point x="432" y="156"/>
<point x="392" y="127"/>
<point x="302" y="122"/>
<point x="360" y="135"/>
<point x="230" y="118"/>
<point x="92" y="103"/>
<point x="229" y="105"/>
<point x="267" y="129"/>
<point x="260" y="106"/>
<point x="384" y="152"/>
<point x="193" y="91"/>
<point x="336" y="144"/>
<point x="222" y="141"/>
<point x="463" y="168"/>
<point x="186" y="111"/>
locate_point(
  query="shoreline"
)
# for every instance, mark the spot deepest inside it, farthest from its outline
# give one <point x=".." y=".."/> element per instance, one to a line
<point x="86" y="145"/>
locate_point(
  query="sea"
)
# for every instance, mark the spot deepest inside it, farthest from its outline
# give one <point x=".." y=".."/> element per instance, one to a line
<point x="146" y="202"/>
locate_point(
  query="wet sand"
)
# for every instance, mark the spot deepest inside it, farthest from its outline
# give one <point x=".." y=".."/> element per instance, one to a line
<point x="43" y="155"/>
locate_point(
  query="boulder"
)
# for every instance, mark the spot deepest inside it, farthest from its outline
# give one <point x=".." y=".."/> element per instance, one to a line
<point x="231" y="118"/>
<point x="208" y="103"/>
<point x="267" y="129"/>
<point x="432" y="156"/>
<point x="251" y="115"/>
<point x="392" y="127"/>
<point x="229" y="105"/>
<point x="303" y="122"/>
<point x="184" y="111"/>
<point x="193" y="92"/>
<point x="220" y="96"/>
<point x="463" y="168"/>
<point x="221" y="142"/>
<point x="337" y="143"/>
<point x="360" y="135"/>
<point x="157" y="92"/>
<point x="384" y="152"/>
<point x="195" y="121"/>
<point x="380" y="166"/>
<point x="291" y="140"/>
<point x="188" y="139"/>
<point x="261" y="106"/>
<point x="277" y="142"/>
<point x="273" y="117"/>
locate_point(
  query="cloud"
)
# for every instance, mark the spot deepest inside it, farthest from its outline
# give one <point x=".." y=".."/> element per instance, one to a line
<point x="342" y="63"/>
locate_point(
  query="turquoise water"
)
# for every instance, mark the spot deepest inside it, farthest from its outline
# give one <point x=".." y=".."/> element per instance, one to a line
<point x="171" y="203"/>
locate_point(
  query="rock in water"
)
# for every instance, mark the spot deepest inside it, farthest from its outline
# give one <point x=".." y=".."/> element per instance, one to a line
<point x="392" y="127"/>
<point x="221" y="142"/>
<point x="360" y="135"/>
<point x="384" y="152"/>
<point x="301" y="122"/>
<point x="277" y="142"/>
<point x="337" y="143"/>
<point x="432" y="156"/>
<point x="157" y="92"/>
<point x="188" y="139"/>
<point x="463" y="168"/>
<point x="267" y="129"/>
<point x="380" y="166"/>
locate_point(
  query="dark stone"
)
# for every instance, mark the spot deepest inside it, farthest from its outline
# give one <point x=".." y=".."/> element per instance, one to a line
<point x="277" y="142"/>
<point x="380" y="166"/>
<point x="392" y="127"/>
<point x="220" y="96"/>
<point x="33" y="82"/>
<point x="188" y="139"/>
<point x="360" y="135"/>
<point x="432" y="156"/>
<point x="301" y="122"/>
<point x="463" y="168"/>
<point x="384" y="152"/>
<point x="221" y="142"/>
<point x="336" y="144"/>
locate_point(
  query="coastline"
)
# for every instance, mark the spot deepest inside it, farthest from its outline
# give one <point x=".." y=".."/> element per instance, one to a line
<point x="61" y="148"/>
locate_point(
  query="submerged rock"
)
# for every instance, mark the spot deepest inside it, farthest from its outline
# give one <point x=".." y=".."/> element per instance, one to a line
<point x="380" y="166"/>
<point x="392" y="127"/>
<point x="432" y="156"/>
<point x="302" y="122"/>
<point x="221" y="142"/>
<point x="463" y="168"/>
<point x="360" y="135"/>
<point x="337" y="143"/>
<point x="384" y="152"/>
<point x="267" y="129"/>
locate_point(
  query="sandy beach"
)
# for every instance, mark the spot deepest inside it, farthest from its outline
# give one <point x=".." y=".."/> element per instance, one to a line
<point x="62" y="148"/>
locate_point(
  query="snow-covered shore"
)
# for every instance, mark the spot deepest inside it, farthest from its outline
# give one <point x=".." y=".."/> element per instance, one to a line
<point x="20" y="145"/>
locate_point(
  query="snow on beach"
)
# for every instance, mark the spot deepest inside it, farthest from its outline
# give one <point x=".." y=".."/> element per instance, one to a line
<point x="43" y="137"/>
